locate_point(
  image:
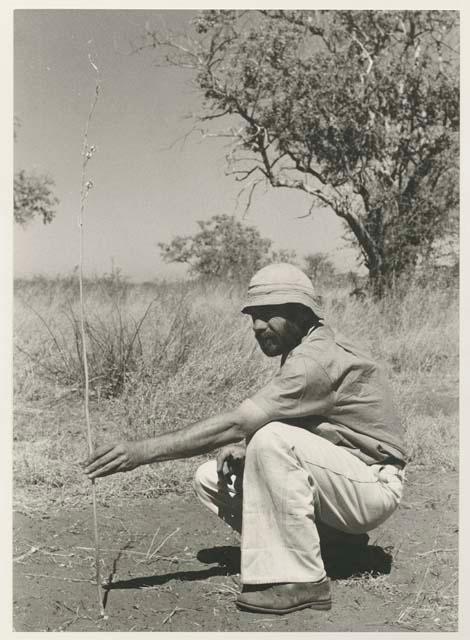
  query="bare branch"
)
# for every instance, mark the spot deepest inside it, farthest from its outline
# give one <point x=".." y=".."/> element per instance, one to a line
<point x="253" y="186"/>
<point x="214" y="116"/>
<point x="364" y="49"/>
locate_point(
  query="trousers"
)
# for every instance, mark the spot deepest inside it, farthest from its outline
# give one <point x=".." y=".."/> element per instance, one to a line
<point x="294" y="480"/>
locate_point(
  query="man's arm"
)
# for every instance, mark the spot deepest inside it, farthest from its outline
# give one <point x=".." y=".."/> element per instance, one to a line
<point x="200" y="437"/>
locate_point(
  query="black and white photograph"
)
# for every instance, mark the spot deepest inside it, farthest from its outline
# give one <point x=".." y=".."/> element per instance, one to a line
<point x="235" y="320"/>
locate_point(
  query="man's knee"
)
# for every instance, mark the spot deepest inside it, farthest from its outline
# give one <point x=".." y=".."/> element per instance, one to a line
<point x="271" y="435"/>
<point x="287" y="442"/>
<point x="205" y="480"/>
<point x="268" y="440"/>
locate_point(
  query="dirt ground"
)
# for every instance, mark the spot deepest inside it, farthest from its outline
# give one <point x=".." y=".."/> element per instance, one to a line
<point x="172" y="566"/>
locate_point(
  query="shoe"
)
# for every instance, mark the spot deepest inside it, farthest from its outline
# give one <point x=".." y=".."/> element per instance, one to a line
<point x="285" y="597"/>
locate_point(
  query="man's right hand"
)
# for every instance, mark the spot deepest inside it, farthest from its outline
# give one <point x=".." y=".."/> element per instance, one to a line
<point x="231" y="460"/>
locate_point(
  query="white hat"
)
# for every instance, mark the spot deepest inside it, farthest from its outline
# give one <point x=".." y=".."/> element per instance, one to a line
<point x="281" y="283"/>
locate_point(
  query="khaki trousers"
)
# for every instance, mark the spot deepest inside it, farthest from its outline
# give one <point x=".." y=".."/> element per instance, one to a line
<point x="292" y="480"/>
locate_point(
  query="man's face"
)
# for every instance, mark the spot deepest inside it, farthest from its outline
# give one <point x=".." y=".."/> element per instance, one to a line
<point x="277" y="328"/>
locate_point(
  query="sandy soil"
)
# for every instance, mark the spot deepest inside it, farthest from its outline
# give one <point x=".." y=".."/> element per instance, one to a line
<point x="190" y="583"/>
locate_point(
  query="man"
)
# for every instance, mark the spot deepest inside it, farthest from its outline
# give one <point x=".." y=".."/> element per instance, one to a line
<point x="324" y="449"/>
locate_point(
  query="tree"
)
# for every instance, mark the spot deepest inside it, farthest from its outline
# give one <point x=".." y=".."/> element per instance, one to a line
<point x="359" y="109"/>
<point x="319" y="268"/>
<point x="32" y="194"/>
<point x="33" y="197"/>
<point x="223" y="247"/>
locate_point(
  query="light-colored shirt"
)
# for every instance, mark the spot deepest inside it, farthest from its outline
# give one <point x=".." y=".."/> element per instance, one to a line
<point x="330" y="387"/>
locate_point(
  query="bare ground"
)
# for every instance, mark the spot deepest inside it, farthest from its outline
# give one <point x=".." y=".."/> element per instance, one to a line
<point x="188" y="581"/>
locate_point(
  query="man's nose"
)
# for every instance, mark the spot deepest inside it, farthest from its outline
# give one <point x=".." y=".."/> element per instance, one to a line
<point x="259" y="325"/>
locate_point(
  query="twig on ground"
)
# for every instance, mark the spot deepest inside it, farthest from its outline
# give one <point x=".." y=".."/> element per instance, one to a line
<point x="60" y="555"/>
<point x="176" y="610"/>
<point x="49" y="577"/>
<point x="165" y="540"/>
<point x="426" y="553"/>
<point x="151" y="543"/>
<point x="139" y="553"/>
<point x="135" y="553"/>
<point x="398" y="549"/>
<point x="71" y="621"/>
<point x="170" y="615"/>
<point x="68" y="623"/>
<point x="259" y="620"/>
<point x="151" y="555"/>
<point x="26" y="555"/>
<point x="222" y="589"/>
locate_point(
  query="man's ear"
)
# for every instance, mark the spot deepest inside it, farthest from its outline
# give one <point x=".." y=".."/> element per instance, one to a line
<point x="307" y="318"/>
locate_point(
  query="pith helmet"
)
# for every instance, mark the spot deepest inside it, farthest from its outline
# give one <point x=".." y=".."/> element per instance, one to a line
<point x="281" y="283"/>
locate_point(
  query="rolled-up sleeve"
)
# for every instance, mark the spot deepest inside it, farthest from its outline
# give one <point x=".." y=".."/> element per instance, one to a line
<point x="300" y="388"/>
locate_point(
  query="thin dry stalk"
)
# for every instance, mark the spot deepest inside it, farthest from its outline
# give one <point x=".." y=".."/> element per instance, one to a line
<point x="426" y="553"/>
<point x="222" y="589"/>
<point x="71" y="621"/>
<point x="25" y="555"/>
<point x="147" y="555"/>
<point x="152" y="554"/>
<point x="176" y="610"/>
<point x="163" y="542"/>
<point x="49" y="577"/>
<point x="138" y="553"/>
<point x="87" y="152"/>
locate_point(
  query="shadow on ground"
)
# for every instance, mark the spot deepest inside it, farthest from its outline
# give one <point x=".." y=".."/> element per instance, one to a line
<point x="339" y="564"/>
<point x="161" y="579"/>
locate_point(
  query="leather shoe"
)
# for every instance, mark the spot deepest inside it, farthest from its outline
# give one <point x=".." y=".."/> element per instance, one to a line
<point x="285" y="597"/>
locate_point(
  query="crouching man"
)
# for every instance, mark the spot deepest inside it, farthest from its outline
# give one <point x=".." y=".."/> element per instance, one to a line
<point x="318" y="449"/>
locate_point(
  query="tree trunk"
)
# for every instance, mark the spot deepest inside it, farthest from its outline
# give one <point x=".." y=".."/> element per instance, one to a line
<point x="372" y="249"/>
<point x="377" y="283"/>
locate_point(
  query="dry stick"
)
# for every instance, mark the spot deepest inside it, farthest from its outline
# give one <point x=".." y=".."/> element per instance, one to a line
<point x="426" y="553"/>
<point x="48" y="577"/>
<point x="85" y="188"/>
<point x="25" y="555"/>
<point x="163" y="542"/>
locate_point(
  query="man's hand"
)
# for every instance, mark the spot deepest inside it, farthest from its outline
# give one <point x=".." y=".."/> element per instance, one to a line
<point x="114" y="458"/>
<point x="231" y="460"/>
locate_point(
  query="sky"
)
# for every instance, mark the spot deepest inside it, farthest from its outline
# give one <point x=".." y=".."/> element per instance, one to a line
<point x="150" y="183"/>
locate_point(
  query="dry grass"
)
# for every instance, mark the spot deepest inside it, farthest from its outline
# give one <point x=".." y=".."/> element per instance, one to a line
<point x="190" y="353"/>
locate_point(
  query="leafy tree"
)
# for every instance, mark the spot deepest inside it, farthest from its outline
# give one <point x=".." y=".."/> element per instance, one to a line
<point x="33" y="197"/>
<point x="319" y="268"/>
<point x="223" y="247"/>
<point x="359" y="109"/>
<point x="32" y="194"/>
<point x="283" y="255"/>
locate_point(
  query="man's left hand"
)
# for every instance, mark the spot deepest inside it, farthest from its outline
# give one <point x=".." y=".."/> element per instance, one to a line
<point x="114" y="458"/>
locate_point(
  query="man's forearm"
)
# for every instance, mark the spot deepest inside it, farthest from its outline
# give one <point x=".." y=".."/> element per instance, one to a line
<point x="200" y="437"/>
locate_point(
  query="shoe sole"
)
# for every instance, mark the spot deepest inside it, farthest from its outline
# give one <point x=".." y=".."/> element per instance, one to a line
<point x="322" y="606"/>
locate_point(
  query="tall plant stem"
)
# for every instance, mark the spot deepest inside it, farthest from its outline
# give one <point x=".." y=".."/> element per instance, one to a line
<point x="85" y="187"/>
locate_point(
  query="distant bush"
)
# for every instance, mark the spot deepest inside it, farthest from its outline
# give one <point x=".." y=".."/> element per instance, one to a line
<point x="225" y="248"/>
<point x="33" y="198"/>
